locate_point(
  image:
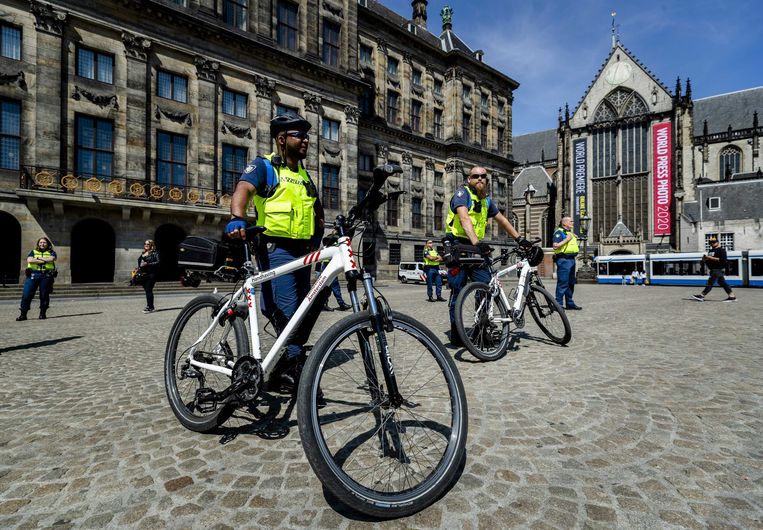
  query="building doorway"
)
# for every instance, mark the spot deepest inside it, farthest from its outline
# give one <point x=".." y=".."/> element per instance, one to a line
<point x="168" y="237"/>
<point x="92" y="249"/>
<point x="10" y="257"/>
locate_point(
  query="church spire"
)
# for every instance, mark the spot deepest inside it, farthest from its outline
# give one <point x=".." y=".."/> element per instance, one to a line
<point x="615" y="37"/>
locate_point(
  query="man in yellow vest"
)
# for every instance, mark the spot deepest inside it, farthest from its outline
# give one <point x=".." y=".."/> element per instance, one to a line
<point x="40" y="272"/>
<point x="470" y="208"/>
<point x="287" y="205"/>
<point x="565" y="244"/>
<point x="432" y="271"/>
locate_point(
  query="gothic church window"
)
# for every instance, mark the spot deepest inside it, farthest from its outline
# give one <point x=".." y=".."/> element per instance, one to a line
<point x="730" y="161"/>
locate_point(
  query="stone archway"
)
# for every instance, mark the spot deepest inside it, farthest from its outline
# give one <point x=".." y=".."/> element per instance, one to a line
<point x="92" y="252"/>
<point x="10" y="257"/>
<point x="621" y="252"/>
<point x="167" y="238"/>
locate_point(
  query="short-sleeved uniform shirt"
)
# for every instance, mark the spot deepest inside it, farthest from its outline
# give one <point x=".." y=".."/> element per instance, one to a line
<point x="461" y="198"/>
<point x="256" y="174"/>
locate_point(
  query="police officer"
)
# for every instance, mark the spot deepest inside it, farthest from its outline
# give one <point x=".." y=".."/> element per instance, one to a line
<point x="565" y="244"/>
<point x="470" y="208"/>
<point x="432" y="270"/>
<point x="40" y="272"/>
<point x="287" y="205"/>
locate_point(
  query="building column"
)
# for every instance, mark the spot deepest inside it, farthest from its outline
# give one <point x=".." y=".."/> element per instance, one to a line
<point x="265" y="88"/>
<point x="138" y="118"/>
<point x="405" y="212"/>
<point x="207" y="73"/>
<point x="350" y="184"/>
<point x="313" y="113"/>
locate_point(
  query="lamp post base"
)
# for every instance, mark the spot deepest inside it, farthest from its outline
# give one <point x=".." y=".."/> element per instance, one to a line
<point x="586" y="272"/>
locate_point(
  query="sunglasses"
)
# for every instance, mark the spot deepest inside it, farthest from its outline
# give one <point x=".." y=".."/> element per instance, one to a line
<point x="302" y="135"/>
<point x="482" y="176"/>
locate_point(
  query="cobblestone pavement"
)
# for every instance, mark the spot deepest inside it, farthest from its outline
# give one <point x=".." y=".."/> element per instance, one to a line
<point x="650" y="418"/>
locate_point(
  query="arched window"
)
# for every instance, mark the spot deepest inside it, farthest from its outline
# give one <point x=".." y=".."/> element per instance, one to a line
<point x="730" y="161"/>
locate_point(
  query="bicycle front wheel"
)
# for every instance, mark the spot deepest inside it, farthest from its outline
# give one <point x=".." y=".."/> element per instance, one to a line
<point x="549" y="315"/>
<point x="482" y="322"/>
<point x="377" y="458"/>
<point x="222" y="347"/>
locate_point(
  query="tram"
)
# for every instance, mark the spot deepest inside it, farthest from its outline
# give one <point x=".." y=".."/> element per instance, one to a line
<point x="743" y="269"/>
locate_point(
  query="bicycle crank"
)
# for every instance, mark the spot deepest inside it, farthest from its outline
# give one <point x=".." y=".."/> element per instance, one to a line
<point x="246" y="385"/>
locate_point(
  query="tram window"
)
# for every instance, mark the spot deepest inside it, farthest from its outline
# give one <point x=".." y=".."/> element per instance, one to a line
<point x="618" y="268"/>
<point x="678" y="268"/>
<point x="732" y="267"/>
<point x="602" y="269"/>
<point x="756" y="266"/>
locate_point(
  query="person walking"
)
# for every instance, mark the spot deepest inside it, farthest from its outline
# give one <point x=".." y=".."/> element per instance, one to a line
<point x="432" y="261"/>
<point x="287" y="205"/>
<point x="148" y="264"/>
<point x="565" y="244"/>
<point x="470" y="209"/>
<point x="40" y="273"/>
<point x="716" y="262"/>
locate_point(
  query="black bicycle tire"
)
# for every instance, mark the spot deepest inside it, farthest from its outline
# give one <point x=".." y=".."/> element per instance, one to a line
<point x="564" y="339"/>
<point x="343" y="487"/>
<point x="185" y="417"/>
<point x="503" y="345"/>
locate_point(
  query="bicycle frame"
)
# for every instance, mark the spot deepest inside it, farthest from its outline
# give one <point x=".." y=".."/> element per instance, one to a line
<point x="522" y="287"/>
<point x="341" y="259"/>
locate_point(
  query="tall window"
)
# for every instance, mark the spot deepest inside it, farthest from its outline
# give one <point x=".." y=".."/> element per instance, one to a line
<point x="394" y="253"/>
<point x="330" y="186"/>
<point x="416" y="77"/>
<point x="365" y="162"/>
<point x="437" y="87"/>
<point x="483" y="134"/>
<point x="501" y="106"/>
<point x="95" y="65"/>
<point x="392" y="106"/>
<point x="437" y="124"/>
<point x="467" y="92"/>
<point x="604" y="153"/>
<point x="501" y="186"/>
<point x="392" y="205"/>
<point x="235" y="13"/>
<point x="416" y="220"/>
<point x="392" y="65"/>
<point x="288" y="24"/>
<point x="172" y="86"/>
<point x="501" y="137"/>
<point x="634" y="148"/>
<point x="418" y="253"/>
<point x="234" y="103"/>
<point x="416" y="174"/>
<point x="10" y="134"/>
<point x="234" y="162"/>
<point x="466" y="126"/>
<point x="94" y="156"/>
<point x="730" y="161"/>
<point x="10" y="42"/>
<point x="170" y="159"/>
<point x="283" y="109"/>
<point x="416" y="116"/>
<point x="331" y="43"/>
<point x="330" y="129"/>
<point x="437" y="215"/>
<point x="365" y="102"/>
<point x="484" y="100"/>
<point x="366" y="55"/>
<point x="438" y="178"/>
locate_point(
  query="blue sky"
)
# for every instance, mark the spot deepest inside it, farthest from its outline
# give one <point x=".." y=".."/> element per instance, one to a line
<point x="554" y="48"/>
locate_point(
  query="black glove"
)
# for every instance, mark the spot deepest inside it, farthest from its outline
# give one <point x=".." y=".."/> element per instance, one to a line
<point x="484" y="248"/>
<point x="523" y="243"/>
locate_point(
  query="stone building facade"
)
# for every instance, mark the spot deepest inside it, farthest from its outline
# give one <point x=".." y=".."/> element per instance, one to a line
<point x="129" y="120"/>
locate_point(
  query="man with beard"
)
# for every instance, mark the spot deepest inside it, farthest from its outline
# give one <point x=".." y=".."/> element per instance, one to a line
<point x="470" y="208"/>
<point x="287" y="205"/>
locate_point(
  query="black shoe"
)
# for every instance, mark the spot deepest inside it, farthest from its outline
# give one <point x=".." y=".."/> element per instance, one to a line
<point x="441" y="299"/>
<point x="573" y="308"/>
<point x="430" y="299"/>
<point x="344" y="307"/>
<point x="455" y="339"/>
<point x="290" y="378"/>
<point x="21" y="317"/>
<point x="43" y="314"/>
<point x="327" y="308"/>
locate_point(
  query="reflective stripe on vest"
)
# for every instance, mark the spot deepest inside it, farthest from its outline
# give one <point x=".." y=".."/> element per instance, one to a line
<point x="47" y="266"/>
<point x="289" y="212"/>
<point x="570" y="247"/>
<point x="479" y="220"/>
<point x="431" y="252"/>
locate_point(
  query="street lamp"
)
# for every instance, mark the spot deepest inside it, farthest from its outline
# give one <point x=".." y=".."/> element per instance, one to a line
<point x="586" y="271"/>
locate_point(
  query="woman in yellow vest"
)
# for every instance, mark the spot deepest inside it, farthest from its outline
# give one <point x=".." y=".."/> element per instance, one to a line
<point x="287" y="205"/>
<point x="40" y="272"/>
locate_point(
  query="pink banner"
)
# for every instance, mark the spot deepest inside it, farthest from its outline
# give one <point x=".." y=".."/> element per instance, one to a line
<point x="662" y="170"/>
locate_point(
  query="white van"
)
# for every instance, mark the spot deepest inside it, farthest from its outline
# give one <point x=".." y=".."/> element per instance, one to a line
<point x="412" y="271"/>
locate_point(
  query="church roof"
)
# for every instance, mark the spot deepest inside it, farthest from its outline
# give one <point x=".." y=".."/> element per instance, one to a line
<point x="451" y="41"/>
<point x="528" y="147"/>
<point x="734" y="109"/>
<point x="739" y="200"/>
<point x="620" y="230"/>
<point x="534" y="176"/>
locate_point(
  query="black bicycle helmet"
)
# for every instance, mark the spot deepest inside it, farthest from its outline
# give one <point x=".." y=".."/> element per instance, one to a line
<point x="287" y="121"/>
<point x="534" y="256"/>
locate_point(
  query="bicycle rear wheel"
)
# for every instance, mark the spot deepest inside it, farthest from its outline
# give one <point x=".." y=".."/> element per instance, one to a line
<point x="485" y="333"/>
<point x="222" y="347"/>
<point x="379" y="459"/>
<point x="549" y="315"/>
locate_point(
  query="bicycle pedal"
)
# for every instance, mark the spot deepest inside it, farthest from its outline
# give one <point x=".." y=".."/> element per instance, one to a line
<point x="205" y="400"/>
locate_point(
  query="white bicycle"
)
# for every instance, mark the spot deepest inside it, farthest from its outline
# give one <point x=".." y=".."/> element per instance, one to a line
<point x="484" y="313"/>
<point x="381" y="407"/>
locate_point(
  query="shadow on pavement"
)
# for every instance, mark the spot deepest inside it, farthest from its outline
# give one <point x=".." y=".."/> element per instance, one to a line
<point x="40" y="344"/>
<point x="76" y="315"/>
<point x="167" y="309"/>
<point x="267" y="418"/>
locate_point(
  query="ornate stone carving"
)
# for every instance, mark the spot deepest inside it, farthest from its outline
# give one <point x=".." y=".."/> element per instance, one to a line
<point x="429" y="164"/>
<point x="453" y="73"/>
<point x="381" y="45"/>
<point x="206" y="69"/>
<point x="265" y="87"/>
<point x="333" y="9"/>
<point x="407" y="58"/>
<point x="332" y="154"/>
<point x="47" y="19"/>
<point x="382" y="151"/>
<point x="312" y="102"/>
<point x="407" y="158"/>
<point x="177" y="117"/>
<point x="136" y="47"/>
<point x="102" y="100"/>
<point x="454" y="165"/>
<point x="17" y="79"/>
<point x="352" y="113"/>
<point x="240" y="132"/>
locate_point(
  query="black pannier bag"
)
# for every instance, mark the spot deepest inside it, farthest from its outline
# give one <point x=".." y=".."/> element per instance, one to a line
<point x="202" y="254"/>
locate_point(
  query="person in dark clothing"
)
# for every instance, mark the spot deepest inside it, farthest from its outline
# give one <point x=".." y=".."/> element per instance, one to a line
<point x="40" y="273"/>
<point x="148" y="263"/>
<point x="716" y="262"/>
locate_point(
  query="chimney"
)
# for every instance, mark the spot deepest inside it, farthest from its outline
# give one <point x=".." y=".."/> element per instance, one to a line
<point x="420" y="13"/>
